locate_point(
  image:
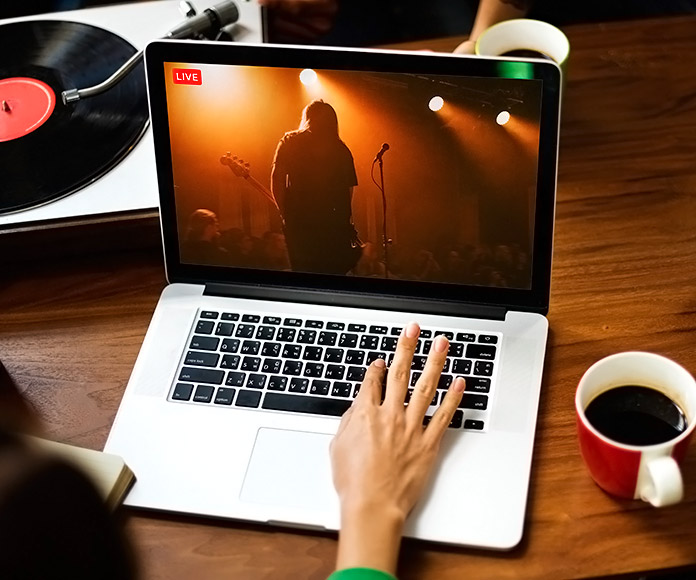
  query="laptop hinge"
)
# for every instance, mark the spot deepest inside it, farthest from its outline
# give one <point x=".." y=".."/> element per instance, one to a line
<point x="351" y="300"/>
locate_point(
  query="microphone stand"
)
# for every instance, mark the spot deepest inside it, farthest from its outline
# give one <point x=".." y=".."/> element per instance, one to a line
<point x="385" y="239"/>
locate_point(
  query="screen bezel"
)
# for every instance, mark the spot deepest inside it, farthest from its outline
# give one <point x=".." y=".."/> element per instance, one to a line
<point x="534" y="299"/>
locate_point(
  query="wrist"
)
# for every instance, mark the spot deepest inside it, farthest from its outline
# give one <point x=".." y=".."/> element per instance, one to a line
<point x="370" y="537"/>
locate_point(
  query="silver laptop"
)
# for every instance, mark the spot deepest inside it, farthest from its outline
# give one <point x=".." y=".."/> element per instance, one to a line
<point x="313" y="202"/>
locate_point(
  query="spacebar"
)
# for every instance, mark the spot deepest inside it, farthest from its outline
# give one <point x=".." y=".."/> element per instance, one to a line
<point x="314" y="405"/>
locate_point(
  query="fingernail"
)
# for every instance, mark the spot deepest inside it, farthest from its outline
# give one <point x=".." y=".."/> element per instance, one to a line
<point x="379" y="362"/>
<point x="411" y="330"/>
<point x="440" y="344"/>
<point x="459" y="385"/>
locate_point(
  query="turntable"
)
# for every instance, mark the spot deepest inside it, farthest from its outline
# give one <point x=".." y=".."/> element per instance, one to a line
<point x="89" y="161"/>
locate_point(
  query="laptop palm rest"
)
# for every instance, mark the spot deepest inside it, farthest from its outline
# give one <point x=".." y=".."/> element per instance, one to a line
<point x="290" y="469"/>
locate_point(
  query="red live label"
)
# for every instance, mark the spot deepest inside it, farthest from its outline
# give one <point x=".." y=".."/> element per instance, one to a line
<point x="187" y="76"/>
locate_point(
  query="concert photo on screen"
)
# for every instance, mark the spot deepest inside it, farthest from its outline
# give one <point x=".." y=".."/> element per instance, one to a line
<point x="371" y="174"/>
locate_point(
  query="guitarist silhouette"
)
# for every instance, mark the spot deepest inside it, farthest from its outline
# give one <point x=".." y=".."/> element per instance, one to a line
<point x="312" y="182"/>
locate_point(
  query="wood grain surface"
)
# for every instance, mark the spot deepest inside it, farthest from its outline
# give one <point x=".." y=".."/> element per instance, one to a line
<point x="624" y="278"/>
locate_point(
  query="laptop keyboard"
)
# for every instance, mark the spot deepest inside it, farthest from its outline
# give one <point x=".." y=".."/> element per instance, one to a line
<point x="315" y="366"/>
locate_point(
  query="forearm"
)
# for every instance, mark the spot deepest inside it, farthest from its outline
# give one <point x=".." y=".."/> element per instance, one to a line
<point x="278" y="189"/>
<point x="492" y="11"/>
<point x="370" y="538"/>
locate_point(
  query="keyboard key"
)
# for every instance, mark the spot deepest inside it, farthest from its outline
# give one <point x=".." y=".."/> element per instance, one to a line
<point x="341" y="389"/>
<point x="478" y="384"/>
<point x="205" y="327"/>
<point x="229" y="345"/>
<point x="335" y="372"/>
<point x="312" y="353"/>
<point x="201" y="359"/>
<point x="286" y="334"/>
<point x="298" y="385"/>
<point x="314" y="324"/>
<point x="251" y="347"/>
<point x="483" y="368"/>
<point x="198" y="375"/>
<point x="373" y="356"/>
<point x="473" y="424"/>
<point x="357" y="328"/>
<point x="230" y="361"/>
<point x="248" y="398"/>
<point x="251" y="318"/>
<point x="418" y="363"/>
<point x="426" y="333"/>
<point x="271" y="349"/>
<point x="251" y="363"/>
<point x="320" y="387"/>
<point x="277" y="383"/>
<point x="488" y="339"/>
<point x="369" y="342"/>
<point x="348" y="340"/>
<point x="245" y="331"/>
<point x="313" y="369"/>
<point x="327" y="338"/>
<point x="307" y="336"/>
<point x="461" y="367"/>
<point x="355" y="357"/>
<point x="397" y="331"/>
<point x="335" y="326"/>
<point x="271" y="320"/>
<point x="293" y="322"/>
<point x="465" y="337"/>
<point x="355" y="374"/>
<point x="378" y="329"/>
<point x="456" y="421"/>
<point x="292" y="367"/>
<point x="470" y="401"/>
<point x="182" y="392"/>
<point x="265" y="332"/>
<point x="481" y="351"/>
<point x="292" y="351"/>
<point x="271" y="365"/>
<point x="333" y="355"/>
<point x="235" y="379"/>
<point x="204" y="343"/>
<point x="230" y="316"/>
<point x="447" y="333"/>
<point x="389" y="343"/>
<point x="209" y="314"/>
<point x="456" y="350"/>
<point x="444" y="382"/>
<point x="224" y="396"/>
<point x="307" y="404"/>
<point x="204" y="394"/>
<point x="224" y="329"/>
<point x="256" y="381"/>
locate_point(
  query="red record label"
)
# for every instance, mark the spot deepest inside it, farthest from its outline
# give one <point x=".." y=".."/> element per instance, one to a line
<point x="25" y="105"/>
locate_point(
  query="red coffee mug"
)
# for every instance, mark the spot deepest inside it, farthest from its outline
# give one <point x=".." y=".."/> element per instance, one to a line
<point x="647" y="472"/>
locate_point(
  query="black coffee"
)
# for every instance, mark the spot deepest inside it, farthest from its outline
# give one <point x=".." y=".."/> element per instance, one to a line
<point x="526" y="53"/>
<point x="636" y="416"/>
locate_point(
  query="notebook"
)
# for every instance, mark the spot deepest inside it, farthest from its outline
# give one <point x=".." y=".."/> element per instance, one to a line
<point x="313" y="201"/>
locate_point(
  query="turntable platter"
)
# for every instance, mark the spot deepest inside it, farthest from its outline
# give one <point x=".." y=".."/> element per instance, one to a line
<point x="48" y="149"/>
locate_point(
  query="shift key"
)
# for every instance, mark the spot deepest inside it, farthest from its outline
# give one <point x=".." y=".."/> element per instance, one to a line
<point x="195" y="375"/>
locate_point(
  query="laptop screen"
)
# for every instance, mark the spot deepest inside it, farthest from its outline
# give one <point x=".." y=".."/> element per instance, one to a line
<point x="389" y="174"/>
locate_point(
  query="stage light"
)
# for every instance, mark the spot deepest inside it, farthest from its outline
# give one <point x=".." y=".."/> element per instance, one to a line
<point x="436" y="103"/>
<point x="502" y="118"/>
<point x="308" y="77"/>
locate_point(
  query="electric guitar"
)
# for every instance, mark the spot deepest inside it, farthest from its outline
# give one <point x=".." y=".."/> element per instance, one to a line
<point x="240" y="168"/>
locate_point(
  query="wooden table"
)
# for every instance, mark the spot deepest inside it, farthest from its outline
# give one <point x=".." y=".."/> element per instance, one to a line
<point x="624" y="278"/>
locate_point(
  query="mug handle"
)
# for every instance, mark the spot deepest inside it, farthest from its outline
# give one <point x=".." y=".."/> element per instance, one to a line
<point x="663" y="484"/>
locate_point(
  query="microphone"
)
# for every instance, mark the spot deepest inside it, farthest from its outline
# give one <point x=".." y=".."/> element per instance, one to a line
<point x="382" y="151"/>
<point x="208" y="23"/>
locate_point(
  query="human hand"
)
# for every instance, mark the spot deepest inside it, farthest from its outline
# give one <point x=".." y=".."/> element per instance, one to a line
<point x="466" y="47"/>
<point x="299" y="20"/>
<point x="382" y="456"/>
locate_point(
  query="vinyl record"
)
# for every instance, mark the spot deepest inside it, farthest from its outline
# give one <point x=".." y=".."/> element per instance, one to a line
<point x="49" y="149"/>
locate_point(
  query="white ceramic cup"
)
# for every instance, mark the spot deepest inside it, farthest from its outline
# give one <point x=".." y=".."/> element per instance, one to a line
<point x="524" y="34"/>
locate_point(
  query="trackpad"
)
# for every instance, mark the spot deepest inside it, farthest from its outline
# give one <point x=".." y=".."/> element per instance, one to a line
<point x="290" y="468"/>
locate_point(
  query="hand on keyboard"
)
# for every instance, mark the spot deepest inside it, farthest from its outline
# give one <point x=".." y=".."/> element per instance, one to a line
<point x="382" y="455"/>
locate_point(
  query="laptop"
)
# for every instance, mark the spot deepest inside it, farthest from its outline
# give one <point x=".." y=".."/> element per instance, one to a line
<point x="314" y="201"/>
